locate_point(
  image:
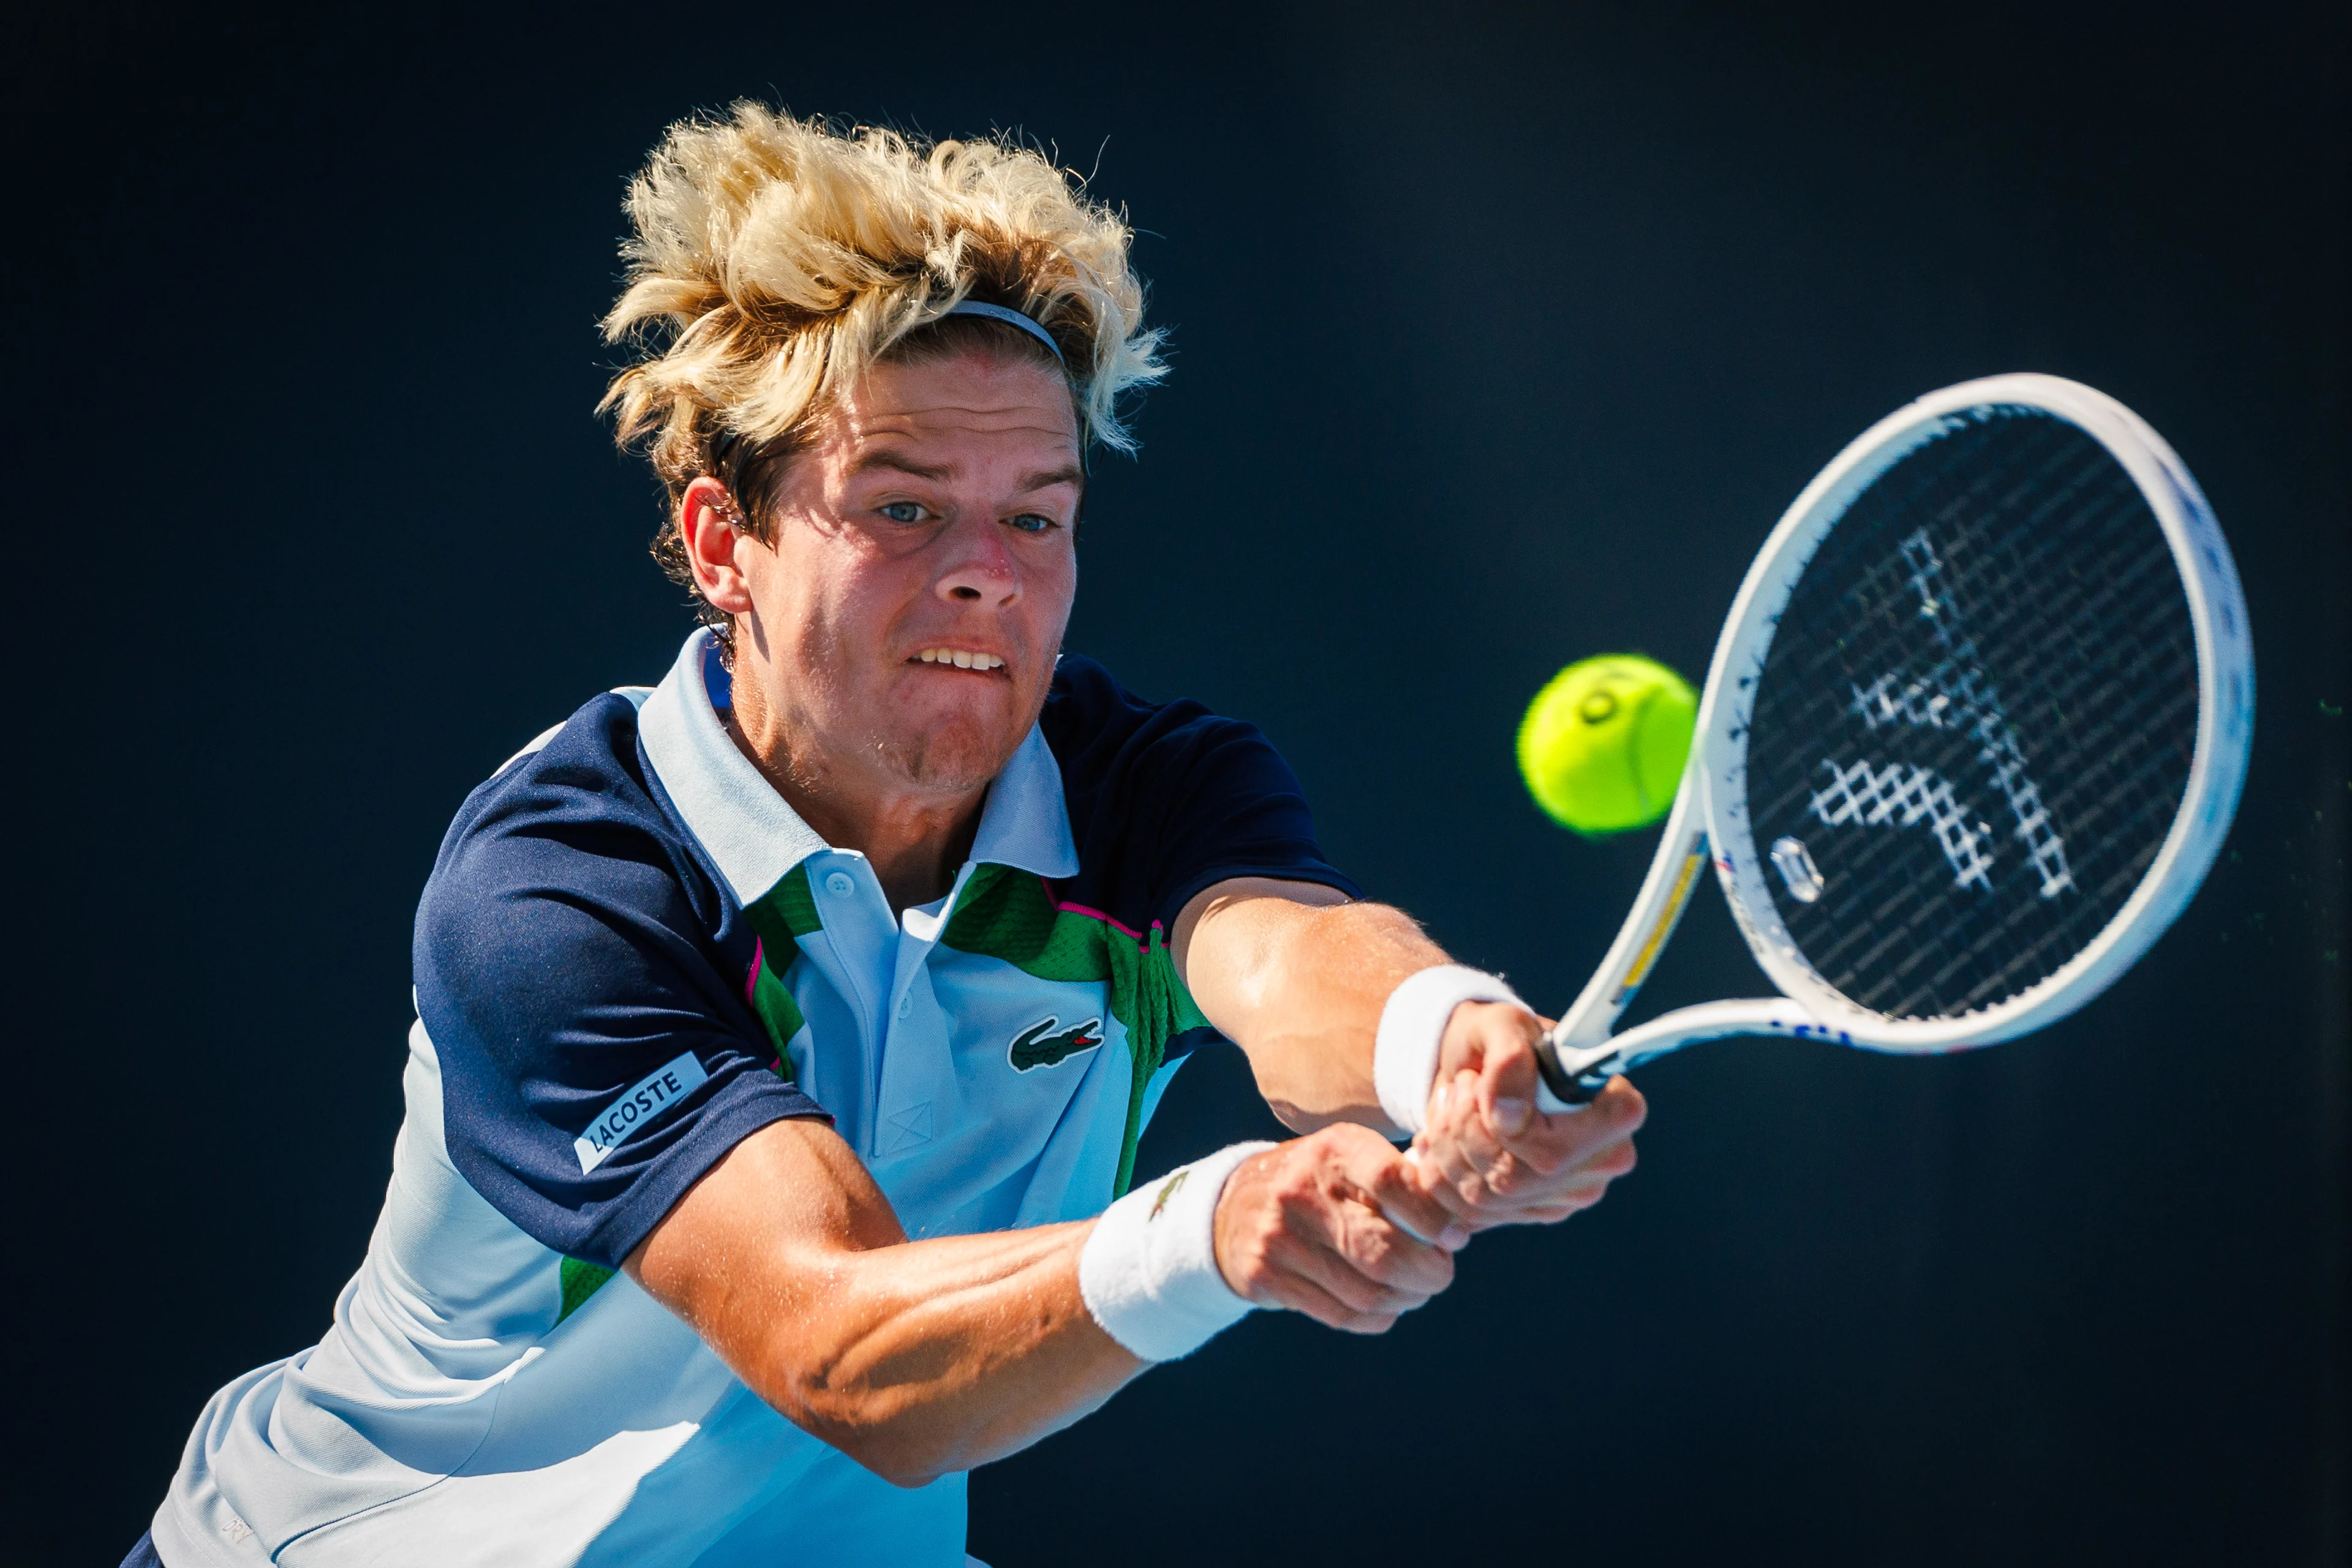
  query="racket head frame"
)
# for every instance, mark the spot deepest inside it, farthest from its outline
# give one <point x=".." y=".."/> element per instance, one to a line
<point x="1710" y="819"/>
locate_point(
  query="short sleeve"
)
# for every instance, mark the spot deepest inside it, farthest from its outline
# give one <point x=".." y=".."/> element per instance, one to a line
<point x="1168" y="799"/>
<point x="580" y="974"/>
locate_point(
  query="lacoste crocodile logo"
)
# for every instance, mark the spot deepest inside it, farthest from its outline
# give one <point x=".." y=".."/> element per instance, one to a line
<point x="1038" y="1047"/>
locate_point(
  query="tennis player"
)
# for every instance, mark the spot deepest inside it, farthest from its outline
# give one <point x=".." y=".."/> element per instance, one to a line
<point x="784" y="1029"/>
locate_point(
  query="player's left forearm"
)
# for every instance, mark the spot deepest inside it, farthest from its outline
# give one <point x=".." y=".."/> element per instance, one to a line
<point x="1296" y="977"/>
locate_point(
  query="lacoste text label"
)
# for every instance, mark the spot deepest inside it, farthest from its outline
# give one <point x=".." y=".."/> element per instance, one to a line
<point x="646" y="1101"/>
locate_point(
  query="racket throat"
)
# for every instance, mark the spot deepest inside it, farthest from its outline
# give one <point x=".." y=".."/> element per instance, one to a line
<point x="1573" y="1073"/>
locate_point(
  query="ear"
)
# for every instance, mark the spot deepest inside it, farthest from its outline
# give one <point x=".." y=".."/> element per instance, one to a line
<point x="706" y="514"/>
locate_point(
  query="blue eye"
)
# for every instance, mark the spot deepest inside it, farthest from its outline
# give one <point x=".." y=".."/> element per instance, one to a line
<point x="1031" y="522"/>
<point x="901" y="510"/>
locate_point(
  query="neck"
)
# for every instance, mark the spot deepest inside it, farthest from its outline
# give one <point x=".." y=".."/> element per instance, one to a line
<point x="915" y="839"/>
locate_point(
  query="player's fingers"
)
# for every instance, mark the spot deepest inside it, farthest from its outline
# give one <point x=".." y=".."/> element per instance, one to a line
<point x="1467" y="1123"/>
<point x="1484" y="1188"/>
<point x="1571" y="1141"/>
<point x="1331" y="1313"/>
<point x="1390" y="1185"/>
<point x="1504" y="1174"/>
<point x="1294" y="1293"/>
<point x="1305" y="1213"/>
<point x="1429" y="1161"/>
<point x="1584" y="1182"/>
<point x="1602" y="1158"/>
<point x="1484" y="1183"/>
<point x="1277" y="1255"/>
<point x="1507" y="1075"/>
<point x="1612" y="1159"/>
<point x="1567" y="1140"/>
<point x="1624" y="1105"/>
<point x="1563" y="1195"/>
<point x="1583" y="1192"/>
<point x="1430" y="1171"/>
<point x="1549" y="1212"/>
<point x="1376" y="1218"/>
<point x="1453" y="1148"/>
<point x="1574" y="1198"/>
<point x="1342" y="1269"/>
<point x="1392" y="1257"/>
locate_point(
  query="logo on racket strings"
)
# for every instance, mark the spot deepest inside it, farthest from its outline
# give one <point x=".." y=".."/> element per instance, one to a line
<point x="1954" y="694"/>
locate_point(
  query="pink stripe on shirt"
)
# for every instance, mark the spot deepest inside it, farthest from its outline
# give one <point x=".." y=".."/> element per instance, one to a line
<point x="1092" y="914"/>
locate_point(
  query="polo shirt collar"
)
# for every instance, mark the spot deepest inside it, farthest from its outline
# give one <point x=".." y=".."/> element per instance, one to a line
<point x="1026" y="823"/>
<point x="755" y="838"/>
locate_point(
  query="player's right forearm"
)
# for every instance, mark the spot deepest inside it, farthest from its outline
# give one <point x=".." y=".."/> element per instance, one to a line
<point x="934" y="1356"/>
<point x="923" y="1358"/>
<point x="913" y="1358"/>
<point x="920" y="1358"/>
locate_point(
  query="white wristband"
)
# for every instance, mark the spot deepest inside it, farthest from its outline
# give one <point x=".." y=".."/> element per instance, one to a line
<point x="1149" y="1272"/>
<point x="1412" y="1026"/>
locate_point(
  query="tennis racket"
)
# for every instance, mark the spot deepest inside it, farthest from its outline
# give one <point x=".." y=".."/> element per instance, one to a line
<point x="1970" y="739"/>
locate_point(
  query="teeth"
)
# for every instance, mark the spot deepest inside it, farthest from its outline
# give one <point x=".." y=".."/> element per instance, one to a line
<point x="961" y="658"/>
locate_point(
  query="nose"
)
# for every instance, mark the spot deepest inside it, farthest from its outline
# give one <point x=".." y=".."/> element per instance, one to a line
<point x="980" y="569"/>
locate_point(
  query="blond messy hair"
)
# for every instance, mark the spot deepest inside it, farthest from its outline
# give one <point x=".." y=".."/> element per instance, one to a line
<point x="775" y="259"/>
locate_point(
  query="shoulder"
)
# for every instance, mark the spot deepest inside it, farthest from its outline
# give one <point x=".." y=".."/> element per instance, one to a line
<point x="577" y="826"/>
<point x="583" y="793"/>
<point x="576" y="958"/>
<point x="1102" y="734"/>
<point x="1166" y="798"/>
<point x="591" y="762"/>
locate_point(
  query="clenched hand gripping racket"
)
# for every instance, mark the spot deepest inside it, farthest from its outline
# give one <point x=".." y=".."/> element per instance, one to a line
<point x="1970" y="739"/>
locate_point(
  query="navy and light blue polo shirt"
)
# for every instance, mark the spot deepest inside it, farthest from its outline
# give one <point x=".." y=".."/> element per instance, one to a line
<point x="631" y="955"/>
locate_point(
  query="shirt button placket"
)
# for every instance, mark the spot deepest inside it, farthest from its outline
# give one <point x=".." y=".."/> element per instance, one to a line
<point x="852" y="938"/>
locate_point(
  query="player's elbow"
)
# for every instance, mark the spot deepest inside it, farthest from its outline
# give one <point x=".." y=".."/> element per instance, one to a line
<point x="894" y="1458"/>
<point x="873" y="1421"/>
<point x="1296" y="1117"/>
<point x="896" y="1450"/>
<point x="909" y="1478"/>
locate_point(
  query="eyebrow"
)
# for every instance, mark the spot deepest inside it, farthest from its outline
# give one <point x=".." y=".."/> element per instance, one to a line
<point x="1067" y="474"/>
<point x="1044" y="478"/>
<point x="935" y="472"/>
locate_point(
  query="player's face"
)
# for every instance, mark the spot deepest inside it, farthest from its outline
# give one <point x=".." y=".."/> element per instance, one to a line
<point x="910" y="615"/>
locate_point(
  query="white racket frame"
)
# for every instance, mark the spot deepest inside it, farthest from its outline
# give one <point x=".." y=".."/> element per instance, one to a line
<point x="1710" y="819"/>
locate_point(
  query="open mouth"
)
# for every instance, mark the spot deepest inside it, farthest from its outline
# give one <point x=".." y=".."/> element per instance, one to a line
<point x="960" y="658"/>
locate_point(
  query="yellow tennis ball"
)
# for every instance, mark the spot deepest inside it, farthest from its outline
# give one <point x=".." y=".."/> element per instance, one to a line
<point x="1603" y="743"/>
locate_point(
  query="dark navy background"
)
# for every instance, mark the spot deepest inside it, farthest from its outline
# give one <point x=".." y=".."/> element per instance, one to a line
<point x="1502" y="337"/>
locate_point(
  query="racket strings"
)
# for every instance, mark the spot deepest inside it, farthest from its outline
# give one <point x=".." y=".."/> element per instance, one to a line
<point x="1977" y="716"/>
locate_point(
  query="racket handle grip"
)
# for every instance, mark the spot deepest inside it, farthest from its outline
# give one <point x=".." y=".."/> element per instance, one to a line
<point x="1567" y="1078"/>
